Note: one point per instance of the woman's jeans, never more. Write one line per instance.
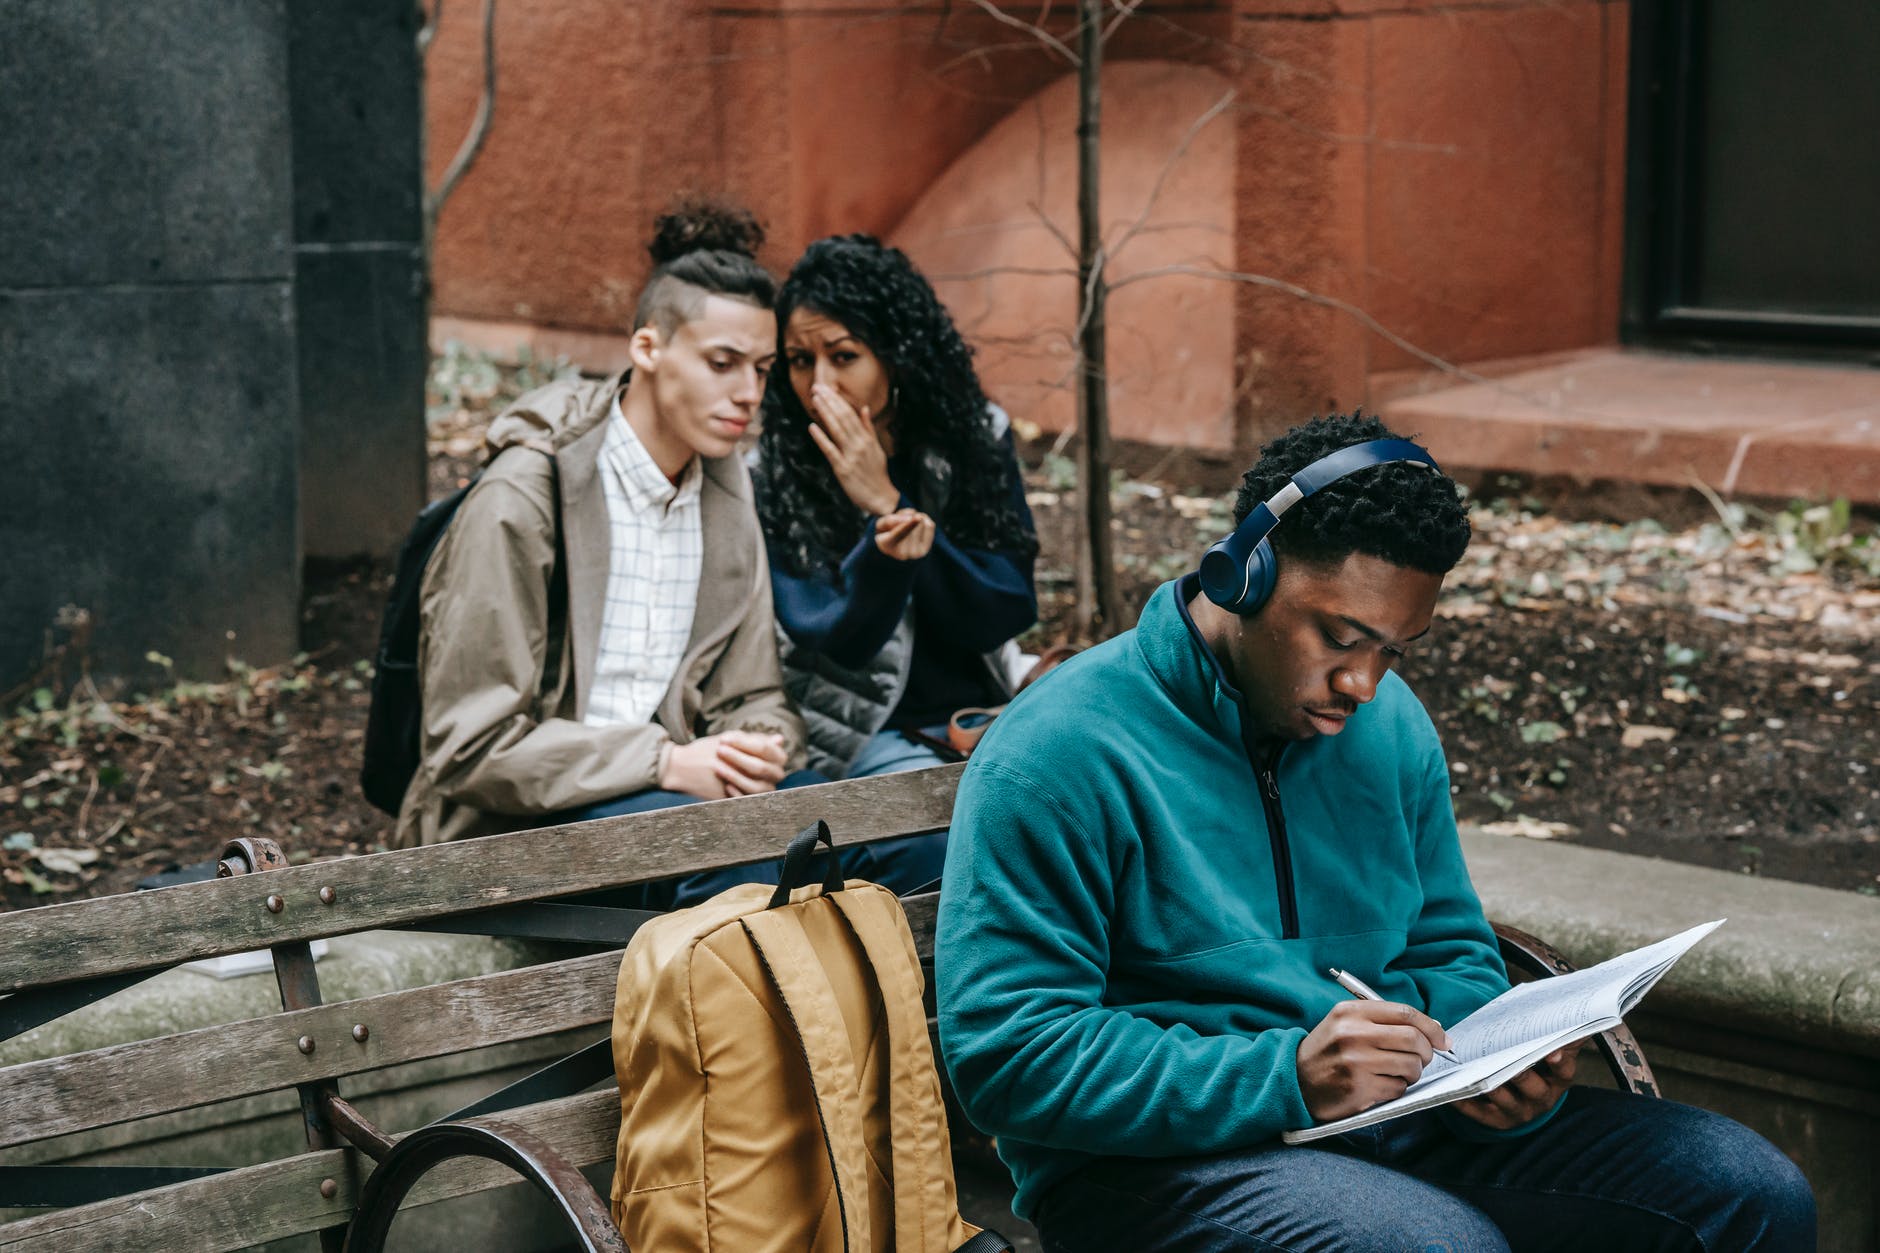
(1610, 1172)
(890, 752)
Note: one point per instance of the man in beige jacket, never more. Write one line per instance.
(642, 673)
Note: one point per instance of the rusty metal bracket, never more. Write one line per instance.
(1538, 959)
(357, 1128)
(581, 1208)
(249, 856)
(300, 989)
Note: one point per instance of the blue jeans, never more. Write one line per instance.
(1609, 1172)
(898, 865)
(888, 752)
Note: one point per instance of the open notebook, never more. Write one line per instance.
(1523, 1025)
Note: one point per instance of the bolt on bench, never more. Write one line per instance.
(350, 1182)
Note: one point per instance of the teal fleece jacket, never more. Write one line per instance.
(1134, 932)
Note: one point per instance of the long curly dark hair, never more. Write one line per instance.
(877, 294)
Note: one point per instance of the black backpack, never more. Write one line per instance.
(395, 722)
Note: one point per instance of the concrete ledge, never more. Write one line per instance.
(1774, 1019)
(1795, 962)
(268, 1126)
(355, 966)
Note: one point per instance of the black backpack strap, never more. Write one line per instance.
(557, 583)
(986, 1242)
(394, 719)
(799, 871)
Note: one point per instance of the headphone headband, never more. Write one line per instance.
(1238, 572)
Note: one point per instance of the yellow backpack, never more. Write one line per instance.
(777, 1087)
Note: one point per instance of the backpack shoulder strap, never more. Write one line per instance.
(926, 1206)
(803, 986)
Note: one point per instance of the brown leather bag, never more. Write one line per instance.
(777, 1087)
(967, 725)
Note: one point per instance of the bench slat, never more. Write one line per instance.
(79, 1091)
(280, 1199)
(921, 913)
(139, 931)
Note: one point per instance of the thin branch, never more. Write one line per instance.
(1168, 167)
(1716, 502)
(84, 809)
(981, 54)
(1368, 322)
(1310, 297)
(101, 709)
(1125, 9)
(1056, 232)
(1039, 33)
(479, 129)
(992, 270)
(987, 228)
(428, 31)
(1099, 262)
(1036, 204)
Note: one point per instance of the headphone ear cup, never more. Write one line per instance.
(1261, 573)
(1236, 585)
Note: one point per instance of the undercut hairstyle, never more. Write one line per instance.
(875, 292)
(700, 249)
(1404, 512)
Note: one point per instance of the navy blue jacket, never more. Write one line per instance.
(967, 603)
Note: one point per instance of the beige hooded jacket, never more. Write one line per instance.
(503, 742)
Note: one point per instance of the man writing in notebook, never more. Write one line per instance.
(1158, 853)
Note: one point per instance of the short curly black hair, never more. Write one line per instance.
(1402, 513)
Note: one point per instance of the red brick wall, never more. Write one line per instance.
(1453, 171)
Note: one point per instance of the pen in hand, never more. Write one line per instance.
(1360, 989)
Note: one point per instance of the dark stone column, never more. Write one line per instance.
(148, 375)
(359, 272)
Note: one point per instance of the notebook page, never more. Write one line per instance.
(1547, 1007)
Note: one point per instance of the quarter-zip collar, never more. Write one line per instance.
(1228, 706)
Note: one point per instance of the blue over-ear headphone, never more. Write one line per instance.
(1237, 574)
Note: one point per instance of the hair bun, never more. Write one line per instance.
(702, 226)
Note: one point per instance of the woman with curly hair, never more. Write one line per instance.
(900, 544)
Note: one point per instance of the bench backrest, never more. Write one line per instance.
(57, 957)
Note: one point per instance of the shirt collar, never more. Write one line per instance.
(639, 477)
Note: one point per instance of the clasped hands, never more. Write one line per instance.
(847, 438)
(1365, 1052)
(731, 763)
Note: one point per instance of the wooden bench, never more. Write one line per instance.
(353, 1176)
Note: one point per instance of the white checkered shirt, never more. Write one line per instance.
(652, 578)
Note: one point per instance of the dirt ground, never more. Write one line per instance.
(1637, 670)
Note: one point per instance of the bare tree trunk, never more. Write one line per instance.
(479, 128)
(1093, 395)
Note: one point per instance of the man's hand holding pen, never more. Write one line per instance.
(1364, 1052)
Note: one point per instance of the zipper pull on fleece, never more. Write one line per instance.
(1269, 784)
